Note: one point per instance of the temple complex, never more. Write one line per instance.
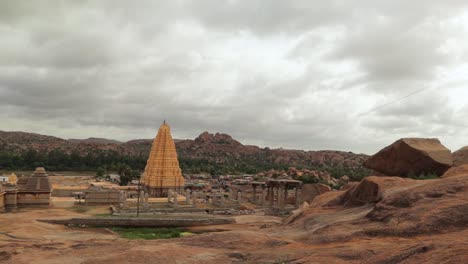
(162, 171)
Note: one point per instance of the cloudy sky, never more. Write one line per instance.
(304, 74)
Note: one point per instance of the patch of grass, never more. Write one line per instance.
(149, 233)
(424, 176)
(103, 215)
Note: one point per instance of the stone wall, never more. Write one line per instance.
(66, 192)
(102, 197)
(27, 199)
(10, 199)
(2, 201)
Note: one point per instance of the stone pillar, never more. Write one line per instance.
(194, 200)
(254, 197)
(175, 199)
(298, 195)
(169, 196)
(142, 198)
(285, 198)
(271, 198)
(279, 196)
(221, 199)
(187, 196)
(262, 197)
(146, 202)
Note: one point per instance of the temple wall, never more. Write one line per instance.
(26, 199)
(2, 202)
(102, 197)
(10, 199)
(64, 192)
(163, 192)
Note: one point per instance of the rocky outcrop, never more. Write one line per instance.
(311, 190)
(306, 176)
(426, 207)
(460, 157)
(370, 190)
(411, 156)
(454, 171)
(394, 208)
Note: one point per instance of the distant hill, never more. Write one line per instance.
(215, 153)
(95, 140)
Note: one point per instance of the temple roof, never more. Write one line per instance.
(162, 168)
(38, 182)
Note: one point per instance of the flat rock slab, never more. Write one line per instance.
(143, 222)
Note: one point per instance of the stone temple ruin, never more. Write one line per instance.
(273, 197)
(29, 192)
(163, 179)
(162, 171)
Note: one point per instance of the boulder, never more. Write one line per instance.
(370, 190)
(455, 171)
(311, 190)
(411, 156)
(460, 157)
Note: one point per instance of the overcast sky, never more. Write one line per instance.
(295, 74)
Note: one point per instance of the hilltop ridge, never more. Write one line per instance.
(210, 152)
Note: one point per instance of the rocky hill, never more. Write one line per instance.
(216, 153)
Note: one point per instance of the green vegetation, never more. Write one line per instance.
(58, 160)
(130, 166)
(424, 176)
(100, 173)
(108, 215)
(149, 233)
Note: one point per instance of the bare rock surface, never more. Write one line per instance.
(454, 171)
(311, 190)
(411, 156)
(460, 157)
(379, 220)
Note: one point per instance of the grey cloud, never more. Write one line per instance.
(275, 73)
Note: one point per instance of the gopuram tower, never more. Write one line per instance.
(162, 171)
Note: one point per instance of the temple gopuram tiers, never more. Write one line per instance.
(162, 171)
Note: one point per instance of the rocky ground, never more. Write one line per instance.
(380, 220)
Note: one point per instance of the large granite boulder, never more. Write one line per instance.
(460, 157)
(370, 190)
(310, 190)
(456, 171)
(411, 156)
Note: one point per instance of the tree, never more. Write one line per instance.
(100, 173)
